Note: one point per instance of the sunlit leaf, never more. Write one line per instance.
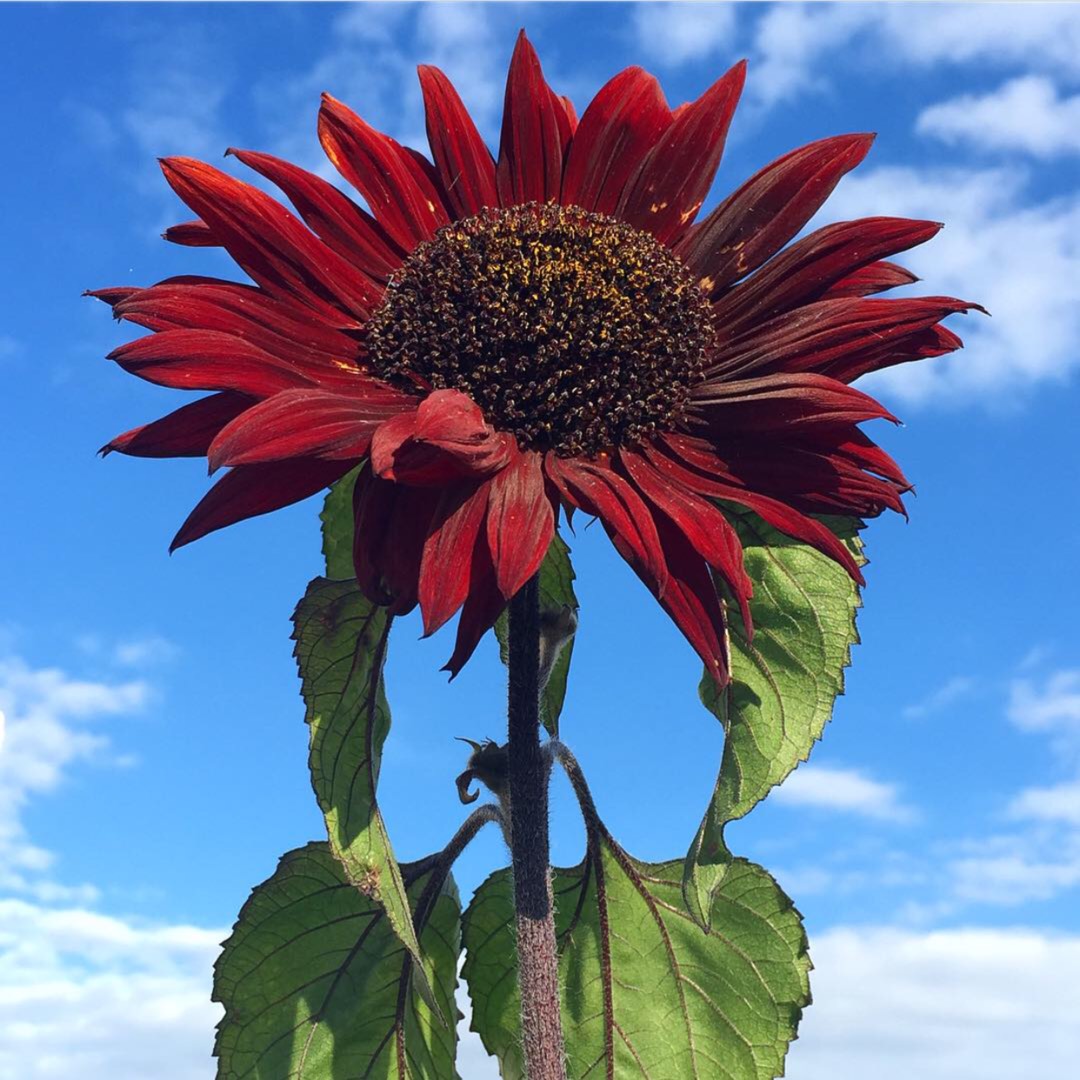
(317, 985)
(783, 684)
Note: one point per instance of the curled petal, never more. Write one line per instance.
(395, 184)
(331, 215)
(706, 529)
(878, 277)
(305, 423)
(598, 490)
(520, 522)
(484, 604)
(185, 432)
(535, 128)
(447, 561)
(619, 128)
(756, 221)
(671, 184)
(271, 245)
(833, 334)
(251, 490)
(803, 272)
(207, 360)
(466, 167)
(444, 440)
(191, 234)
(782, 404)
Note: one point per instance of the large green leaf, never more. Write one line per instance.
(317, 985)
(337, 527)
(783, 683)
(646, 992)
(556, 592)
(341, 640)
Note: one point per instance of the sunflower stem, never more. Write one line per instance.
(530, 771)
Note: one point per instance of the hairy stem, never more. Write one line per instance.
(530, 768)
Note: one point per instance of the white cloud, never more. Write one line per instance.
(676, 32)
(1025, 114)
(846, 790)
(47, 729)
(141, 652)
(1059, 802)
(955, 689)
(969, 1004)
(1020, 261)
(96, 997)
(797, 45)
(1052, 708)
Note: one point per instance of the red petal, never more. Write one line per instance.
(112, 295)
(331, 215)
(756, 221)
(304, 423)
(446, 565)
(782, 405)
(191, 234)
(444, 440)
(484, 604)
(397, 188)
(392, 523)
(287, 331)
(533, 130)
(465, 164)
(620, 126)
(802, 273)
(921, 345)
(876, 278)
(257, 489)
(705, 527)
(206, 360)
(520, 522)
(693, 463)
(571, 114)
(185, 432)
(597, 490)
(673, 180)
(834, 334)
(271, 245)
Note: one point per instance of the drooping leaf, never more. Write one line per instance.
(317, 985)
(556, 592)
(341, 641)
(646, 992)
(783, 683)
(337, 527)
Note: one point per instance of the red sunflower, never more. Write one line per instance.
(499, 340)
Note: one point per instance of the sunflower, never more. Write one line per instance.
(501, 341)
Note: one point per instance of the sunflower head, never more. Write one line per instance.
(501, 340)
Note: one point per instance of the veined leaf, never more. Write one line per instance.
(341, 640)
(783, 683)
(556, 592)
(317, 985)
(645, 992)
(337, 527)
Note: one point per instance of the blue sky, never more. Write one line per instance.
(154, 761)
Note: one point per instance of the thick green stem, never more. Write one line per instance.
(530, 771)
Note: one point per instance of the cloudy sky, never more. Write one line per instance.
(153, 766)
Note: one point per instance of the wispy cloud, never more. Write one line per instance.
(843, 790)
(1025, 114)
(1051, 707)
(955, 689)
(674, 32)
(1018, 258)
(893, 1003)
(48, 727)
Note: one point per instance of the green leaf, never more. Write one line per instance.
(317, 985)
(556, 592)
(337, 527)
(341, 641)
(646, 992)
(783, 684)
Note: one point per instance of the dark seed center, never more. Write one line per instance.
(573, 331)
